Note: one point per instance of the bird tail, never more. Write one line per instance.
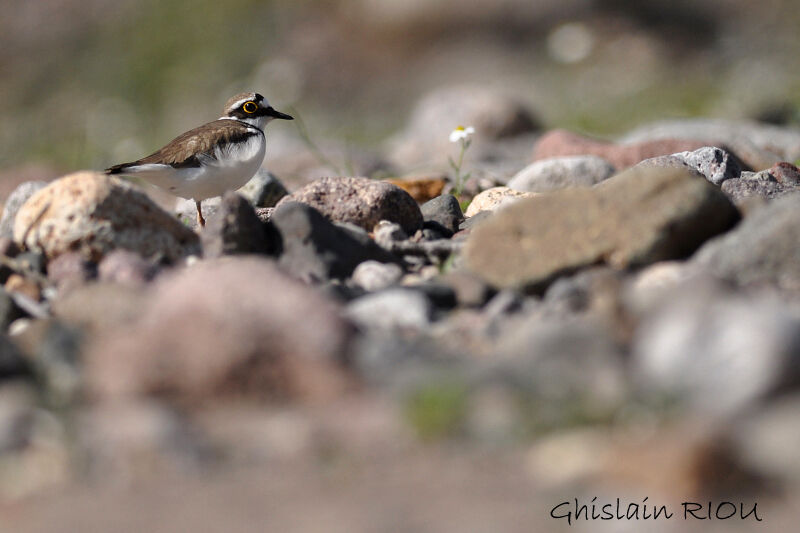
(118, 169)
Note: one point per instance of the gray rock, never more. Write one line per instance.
(375, 276)
(595, 290)
(391, 309)
(716, 350)
(9, 310)
(562, 172)
(93, 214)
(474, 220)
(57, 363)
(17, 408)
(469, 289)
(651, 286)
(572, 366)
(387, 233)
(263, 189)
(14, 201)
(235, 326)
(12, 364)
(765, 440)
(714, 164)
(780, 180)
(314, 249)
(360, 201)
(494, 115)
(445, 211)
(639, 217)
(763, 249)
(235, 229)
(753, 185)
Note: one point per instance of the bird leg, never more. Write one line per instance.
(200, 219)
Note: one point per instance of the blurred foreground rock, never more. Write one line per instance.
(236, 327)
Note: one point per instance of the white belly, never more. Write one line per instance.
(228, 171)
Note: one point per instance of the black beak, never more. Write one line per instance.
(271, 112)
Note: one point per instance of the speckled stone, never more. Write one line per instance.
(92, 214)
(495, 198)
(360, 201)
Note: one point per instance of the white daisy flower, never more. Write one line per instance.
(461, 133)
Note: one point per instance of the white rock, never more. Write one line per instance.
(560, 172)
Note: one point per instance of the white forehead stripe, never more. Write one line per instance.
(252, 97)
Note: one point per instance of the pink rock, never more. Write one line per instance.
(559, 143)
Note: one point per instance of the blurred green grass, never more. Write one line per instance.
(115, 81)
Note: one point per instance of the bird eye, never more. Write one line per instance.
(249, 107)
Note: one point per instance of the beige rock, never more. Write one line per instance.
(494, 199)
(92, 213)
(636, 218)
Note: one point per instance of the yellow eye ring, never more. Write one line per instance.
(249, 107)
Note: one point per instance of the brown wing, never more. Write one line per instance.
(183, 150)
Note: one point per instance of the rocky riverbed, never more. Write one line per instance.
(586, 318)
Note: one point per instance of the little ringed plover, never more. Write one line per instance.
(213, 158)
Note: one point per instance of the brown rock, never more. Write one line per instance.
(69, 270)
(786, 174)
(559, 143)
(226, 327)
(92, 214)
(421, 188)
(126, 267)
(360, 201)
(636, 218)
